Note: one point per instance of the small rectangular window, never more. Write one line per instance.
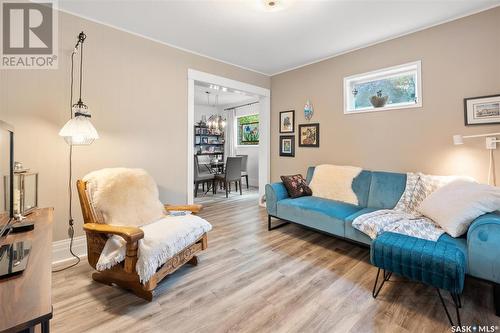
(248, 130)
(390, 88)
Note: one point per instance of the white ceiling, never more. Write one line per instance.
(225, 96)
(241, 32)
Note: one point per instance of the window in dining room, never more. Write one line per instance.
(247, 130)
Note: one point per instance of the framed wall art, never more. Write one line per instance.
(309, 135)
(484, 110)
(287, 121)
(287, 145)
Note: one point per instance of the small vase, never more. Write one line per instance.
(378, 101)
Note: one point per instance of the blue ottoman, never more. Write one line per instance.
(437, 264)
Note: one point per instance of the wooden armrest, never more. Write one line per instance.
(192, 208)
(130, 234)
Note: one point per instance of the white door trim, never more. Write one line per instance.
(264, 124)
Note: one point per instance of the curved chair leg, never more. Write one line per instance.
(386, 277)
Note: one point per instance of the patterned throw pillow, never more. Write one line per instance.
(296, 186)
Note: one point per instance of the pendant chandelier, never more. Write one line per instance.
(79, 130)
(216, 122)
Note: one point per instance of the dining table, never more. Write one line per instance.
(215, 167)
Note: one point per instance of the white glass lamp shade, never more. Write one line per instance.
(458, 139)
(79, 131)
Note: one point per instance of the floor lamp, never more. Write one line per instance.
(78, 131)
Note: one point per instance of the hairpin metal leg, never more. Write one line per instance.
(458, 304)
(386, 277)
(459, 300)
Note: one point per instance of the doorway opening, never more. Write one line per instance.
(228, 138)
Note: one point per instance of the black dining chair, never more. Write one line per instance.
(244, 167)
(232, 173)
(203, 178)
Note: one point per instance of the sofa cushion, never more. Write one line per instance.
(455, 205)
(360, 185)
(332, 208)
(318, 213)
(296, 186)
(386, 189)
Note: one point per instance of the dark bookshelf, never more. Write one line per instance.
(202, 148)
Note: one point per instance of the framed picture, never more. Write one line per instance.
(484, 110)
(309, 135)
(287, 145)
(287, 121)
(250, 134)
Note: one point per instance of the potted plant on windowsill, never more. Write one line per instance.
(378, 101)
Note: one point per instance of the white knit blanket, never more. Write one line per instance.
(162, 240)
(404, 218)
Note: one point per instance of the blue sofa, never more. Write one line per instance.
(382, 190)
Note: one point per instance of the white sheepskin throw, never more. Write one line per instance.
(335, 182)
(125, 197)
(162, 240)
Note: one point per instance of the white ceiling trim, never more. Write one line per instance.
(386, 39)
(291, 68)
(159, 41)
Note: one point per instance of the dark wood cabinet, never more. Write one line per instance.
(26, 299)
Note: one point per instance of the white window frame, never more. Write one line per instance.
(387, 72)
(236, 131)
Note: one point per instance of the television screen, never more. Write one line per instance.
(6, 173)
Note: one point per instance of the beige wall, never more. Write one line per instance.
(137, 92)
(459, 59)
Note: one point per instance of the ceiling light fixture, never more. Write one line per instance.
(272, 5)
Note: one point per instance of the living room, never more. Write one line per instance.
(372, 203)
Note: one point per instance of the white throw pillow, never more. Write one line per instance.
(455, 205)
(126, 197)
(335, 182)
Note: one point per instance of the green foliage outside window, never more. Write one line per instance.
(248, 130)
(400, 89)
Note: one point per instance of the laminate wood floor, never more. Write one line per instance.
(251, 280)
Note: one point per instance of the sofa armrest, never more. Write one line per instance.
(195, 209)
(483, 239)
(129, 234)
(274, 193)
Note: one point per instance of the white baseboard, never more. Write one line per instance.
(60, 250)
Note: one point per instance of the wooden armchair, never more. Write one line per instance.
(124, 273)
